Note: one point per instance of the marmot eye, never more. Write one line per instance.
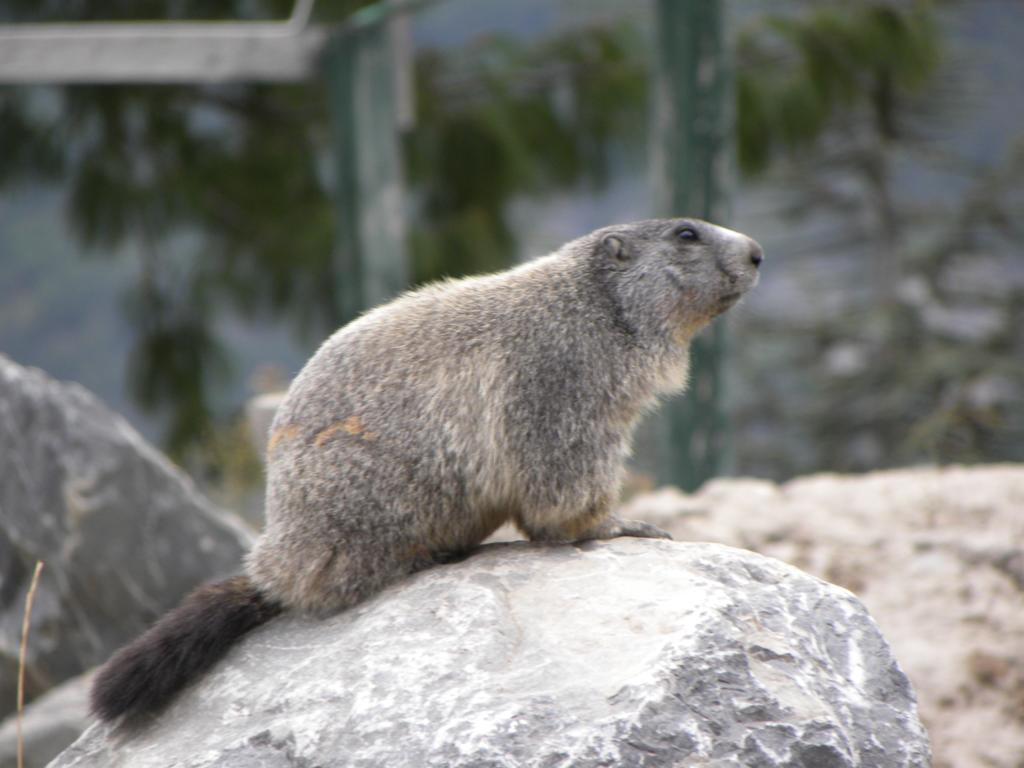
(687, 233)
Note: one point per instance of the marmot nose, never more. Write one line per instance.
(756, 254)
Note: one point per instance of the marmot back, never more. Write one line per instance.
(419, 428)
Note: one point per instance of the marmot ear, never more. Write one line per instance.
(615, 248)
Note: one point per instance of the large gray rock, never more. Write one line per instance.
(624, 653)
(123, 533)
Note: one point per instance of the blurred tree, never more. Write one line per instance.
(797, 73)
(943, 372)
(234, 174)
(219, 187)
(832, 100)
(222, 187)
(845, 72)
(503, 119)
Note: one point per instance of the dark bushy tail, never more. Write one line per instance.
(143, 676)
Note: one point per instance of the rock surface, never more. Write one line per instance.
(627, 653)
(51, 723)
(937, 556)
(123, 533)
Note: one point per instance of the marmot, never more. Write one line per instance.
(420, 427)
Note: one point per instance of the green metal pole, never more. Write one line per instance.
(690, 153)
(371, 262)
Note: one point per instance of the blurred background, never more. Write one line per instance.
(179, 237)
(195, 193)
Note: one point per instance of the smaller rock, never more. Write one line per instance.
(123, 532)
(51, 722)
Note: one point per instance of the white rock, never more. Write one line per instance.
(626, 653)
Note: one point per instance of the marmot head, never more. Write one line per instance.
(675, 275)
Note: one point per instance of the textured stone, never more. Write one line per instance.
(623, 653)
(123, 533)
(937, 556)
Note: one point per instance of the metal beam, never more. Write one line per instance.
(179, 52)
(160, 52)
(690, 435)
(366, 87)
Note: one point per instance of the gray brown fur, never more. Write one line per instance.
(418, 429)
(144, 675)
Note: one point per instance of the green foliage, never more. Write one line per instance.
(832, 102)
(503, 120)
(38, 155)
(219, 186)
(228, 466)
(222, 189)
(795, 73)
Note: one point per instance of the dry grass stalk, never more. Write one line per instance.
(21, 658)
